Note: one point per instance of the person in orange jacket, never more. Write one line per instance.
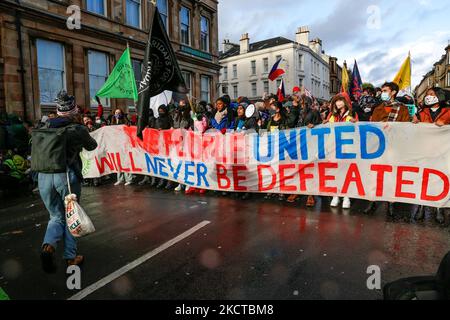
(435, 111)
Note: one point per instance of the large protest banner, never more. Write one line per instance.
(396, 162)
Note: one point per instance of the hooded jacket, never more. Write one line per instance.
(164, 122)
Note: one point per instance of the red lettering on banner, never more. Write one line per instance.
(222, 175)
(112, 158)
(101, 165)
(284, 187)
(194, 141)
(380, 170)
(237, 147)
(133, 167)
(237, 178)
(323, 177)
(207, 146)
(353, 176)
(425, 182)
(261, 178)
(220, 148)
(153, 141)
(401, 182)
(305, 176)
(119, 164)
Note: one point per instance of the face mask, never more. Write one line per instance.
(98, 121)
(161, 114)
(385, 96)
(431, 100)
(118, 116)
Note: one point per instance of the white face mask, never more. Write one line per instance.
(431, 100)
(434, 109)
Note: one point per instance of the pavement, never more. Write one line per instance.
(253, 249)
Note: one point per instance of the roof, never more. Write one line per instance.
(260, 45)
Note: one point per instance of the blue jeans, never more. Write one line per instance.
(53, 189)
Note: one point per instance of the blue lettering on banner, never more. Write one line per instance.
(188, 173)
(320, 133)
(364, 130)
(270, 144)
(175, 171)
(162, 167)
(289, 146)
(342, 142)
(303, 144)
(151, 164)
(202, 171)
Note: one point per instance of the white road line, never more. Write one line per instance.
(117, 274)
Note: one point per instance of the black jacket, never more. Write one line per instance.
(78, 137)
(307, 117)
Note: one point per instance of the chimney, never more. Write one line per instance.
(245, 43)
(226, 45)
(316, 45)
(302, 36)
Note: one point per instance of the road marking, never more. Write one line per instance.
(117, 274)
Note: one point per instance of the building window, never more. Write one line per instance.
(266, 86)
(300, 82)
(98, 73)
(225, 73)
(137, 68)
(185, 25)
(253, 63)
(266, 65)
(96, 6)
(224, 89)
(188, 80)
(448, 79)
(205, 89)
(51, 70)
(204, 34)
(163, 12)
(133, 9)
(254, 89)
(235, 91)
(235, 75)
(300, 62)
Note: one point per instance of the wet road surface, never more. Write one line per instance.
(253, 249)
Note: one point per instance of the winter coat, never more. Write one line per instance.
(381, 113)
(226, 123)
(444, 116)
(335, 118)
(308, 116)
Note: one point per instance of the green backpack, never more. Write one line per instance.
(49, 150)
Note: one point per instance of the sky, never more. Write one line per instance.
(377, 33)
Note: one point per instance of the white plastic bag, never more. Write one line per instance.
(77, 220)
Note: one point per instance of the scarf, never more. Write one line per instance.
(393, 115)
(220, 115)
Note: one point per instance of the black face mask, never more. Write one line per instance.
(162, 114)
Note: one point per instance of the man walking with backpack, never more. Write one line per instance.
(56, 157)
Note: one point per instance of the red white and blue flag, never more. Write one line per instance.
(281, 92)
(276, 71)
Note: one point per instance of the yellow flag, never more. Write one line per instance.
(345, 79)
(403, 77)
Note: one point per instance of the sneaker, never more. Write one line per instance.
(118, 183)
(48, 258)
(190, 190)
(335, 202)
(346, 203)
(178, 189)
(144, 181)
(128, 183)
(202, 191)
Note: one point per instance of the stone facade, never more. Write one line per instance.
(107, 33)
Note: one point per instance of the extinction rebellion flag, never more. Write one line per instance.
(160, 70)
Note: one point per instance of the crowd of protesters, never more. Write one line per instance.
(299, 109)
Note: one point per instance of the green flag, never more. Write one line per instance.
(121, 82)
(3, 295)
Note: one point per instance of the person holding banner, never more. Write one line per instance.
(278, 121)
(435, 111)
(390, 110)
(340, 112)
(308, 117)
(118, 119)
(223, 118)
(163, 122)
